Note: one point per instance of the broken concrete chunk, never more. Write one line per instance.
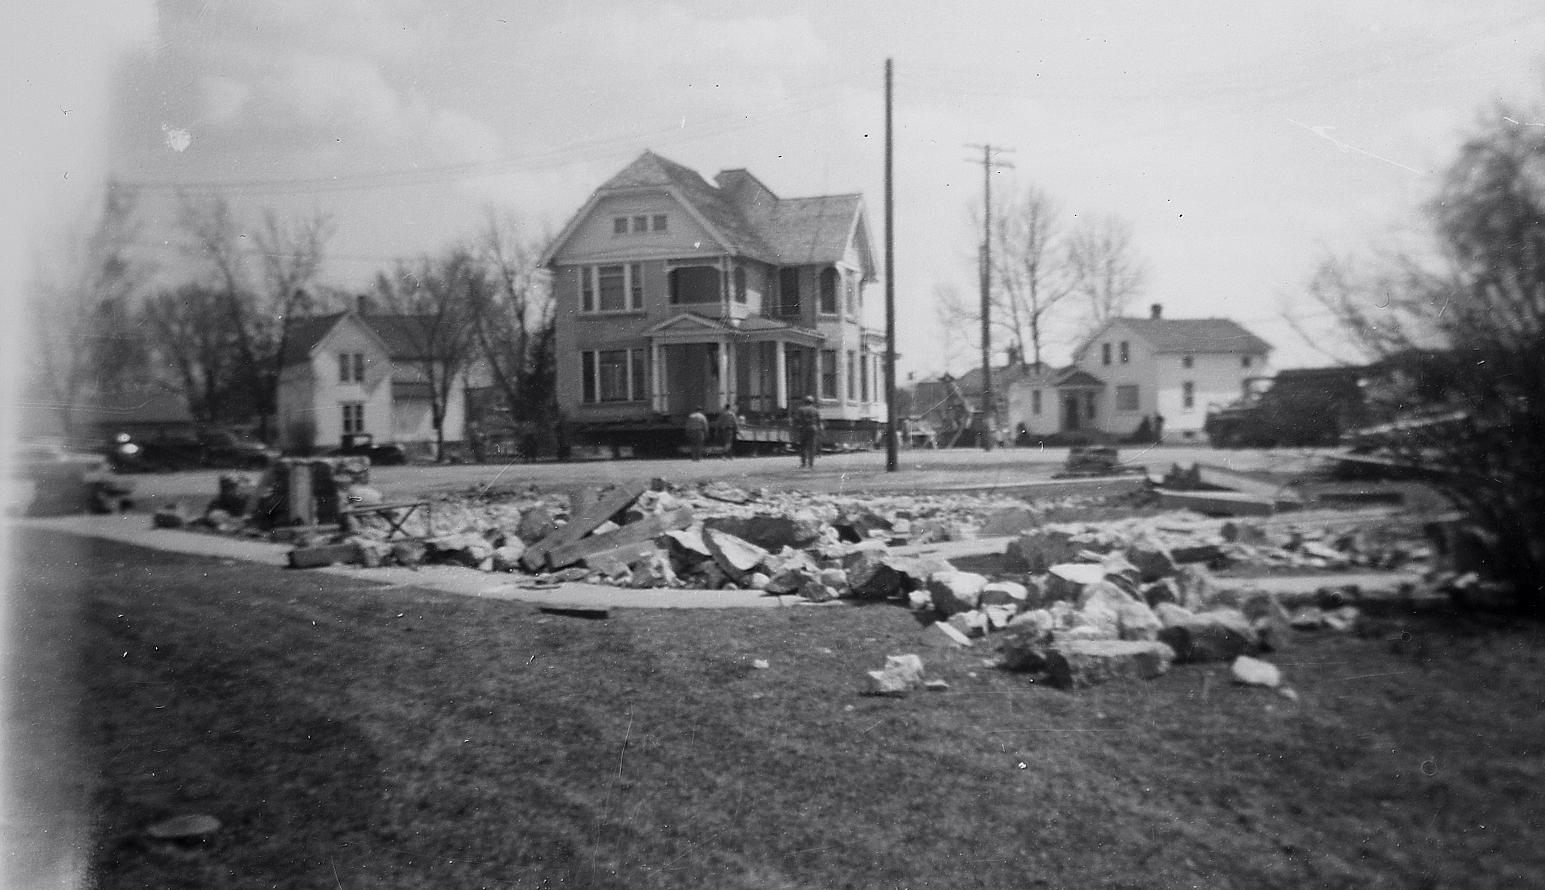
(1171, 614)
(409, 553)
(920, 601)
(998, 617)
(1082, 663)
(1342, 619)
(770, 532)
(1308, 618)
(1152, 559)
(886, 683)
(956, 591)
(1008, 521)
(1249, 671)
(323, 555)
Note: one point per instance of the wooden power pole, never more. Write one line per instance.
(891, 458)
(989, 399)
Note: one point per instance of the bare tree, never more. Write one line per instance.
(191, 329)
(1459, 338)
(83, 336)
(1031, 268)
(513, 324)
(263, 279)
(434, 302)
(1106, 269)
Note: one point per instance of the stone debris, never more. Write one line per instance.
(1081, 663)
(901, 674)
(1249, 671)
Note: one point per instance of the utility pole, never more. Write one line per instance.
(891, 458)
(989, 400)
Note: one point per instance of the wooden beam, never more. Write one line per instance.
(1216, 503)
(610, 504)
(646, 529)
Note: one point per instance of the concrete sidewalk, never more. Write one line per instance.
(135, 529)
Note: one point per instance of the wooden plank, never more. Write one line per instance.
(1244, 482)
(581, 524)
(646, 529)
(1216, 503)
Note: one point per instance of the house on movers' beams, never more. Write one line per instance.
(674, 293)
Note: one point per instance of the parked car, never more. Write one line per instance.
(213, 448)
(363, 445)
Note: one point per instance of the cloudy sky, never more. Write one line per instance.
(1242, 141)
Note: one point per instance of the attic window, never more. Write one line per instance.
(657, 222)
(640, 225)
(1126, 352)
(619, 225)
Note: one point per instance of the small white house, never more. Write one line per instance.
(1133, 369)
(351, 373)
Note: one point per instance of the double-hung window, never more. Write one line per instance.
(1126, 397)
(351, 367)
(1188, 395)
(829, 291)
(353, 417)
(614, 375)
(828, 373)
(611, 288)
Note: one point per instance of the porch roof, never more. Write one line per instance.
(689, 327)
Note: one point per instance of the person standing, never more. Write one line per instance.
(727, 425)
(807, 431)
(697, 432)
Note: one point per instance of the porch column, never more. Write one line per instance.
(724, 373)
(657, 376)
(732, 381)
(781, 374)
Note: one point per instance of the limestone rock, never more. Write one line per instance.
(1308, 618)
(507, 558)
(1170, 614)
(1023, 650)
(998, 617)
(972, 623)
(536, 524)
(1067, 580)
(1218, 635)
(737, 557)
(1037, 550)
(1008, 521)
(769, 532)
(956, 591)
(920, 601)
(871, 576)
(1082, 663)
(409, 553)
(1004, 593)
(1249, 671)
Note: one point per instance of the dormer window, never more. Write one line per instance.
(641, 224)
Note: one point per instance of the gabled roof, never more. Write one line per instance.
(402, 335)
(745, 216)
(1191, 334)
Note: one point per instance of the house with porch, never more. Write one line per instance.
(1133, 370)
(355, 372)
(675, 293)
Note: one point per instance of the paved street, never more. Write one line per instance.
(854, 472)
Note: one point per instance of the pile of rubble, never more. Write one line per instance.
(1090, 609)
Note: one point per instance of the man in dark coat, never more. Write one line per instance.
(727, 425)
(807, 431)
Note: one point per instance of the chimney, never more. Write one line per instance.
(1156, 311)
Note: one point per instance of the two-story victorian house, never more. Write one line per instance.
(675, 294)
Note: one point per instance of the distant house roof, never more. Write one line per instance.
(747, 216)
(404, 335)
(1192, 334)
(970, 382)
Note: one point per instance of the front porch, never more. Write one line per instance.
(758, 366)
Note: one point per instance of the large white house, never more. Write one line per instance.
(352, 373)
(1133, 369)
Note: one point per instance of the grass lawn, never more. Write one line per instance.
(349, 735)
